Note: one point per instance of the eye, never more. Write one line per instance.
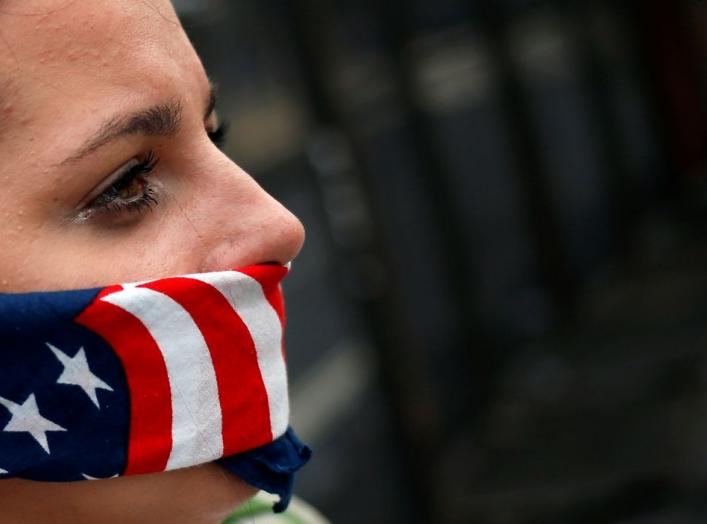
(126, 192)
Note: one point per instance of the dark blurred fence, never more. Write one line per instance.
(500, 315)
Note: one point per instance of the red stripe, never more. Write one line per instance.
(242, 394)
(150, 398)
(270, 277)
(109, 291)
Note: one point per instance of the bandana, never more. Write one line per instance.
(149, 377)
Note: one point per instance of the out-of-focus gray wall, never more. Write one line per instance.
(500, 312)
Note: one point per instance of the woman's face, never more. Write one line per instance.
(90, 92)
(109, 174)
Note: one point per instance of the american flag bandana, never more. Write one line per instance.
(149, 377)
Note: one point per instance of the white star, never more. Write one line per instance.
(77, 373)
(26, 418)
(3, 471)
(89, 477)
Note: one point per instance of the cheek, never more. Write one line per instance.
(27, 261)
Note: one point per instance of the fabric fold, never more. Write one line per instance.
(271, 467)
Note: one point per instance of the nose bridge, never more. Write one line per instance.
(249, 226)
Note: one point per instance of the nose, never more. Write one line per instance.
(280, 234)
(252, 229)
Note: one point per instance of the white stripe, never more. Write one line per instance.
(247, 298)
(196, 412)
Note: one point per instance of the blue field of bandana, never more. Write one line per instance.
(64, 404)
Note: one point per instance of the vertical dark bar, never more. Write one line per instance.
(379, 306)
(552, 253)
(595, 84)
(479, 355)
(669, 63)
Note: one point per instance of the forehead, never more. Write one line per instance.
(61, 55)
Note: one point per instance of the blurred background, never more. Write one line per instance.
(500, 313)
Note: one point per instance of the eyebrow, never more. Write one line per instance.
(159, 120)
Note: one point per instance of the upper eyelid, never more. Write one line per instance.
(109, 181)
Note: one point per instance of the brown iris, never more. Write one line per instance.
(133, 189)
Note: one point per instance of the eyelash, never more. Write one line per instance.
(218, 136)
(106, 203)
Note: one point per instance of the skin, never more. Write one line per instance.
(66, 68)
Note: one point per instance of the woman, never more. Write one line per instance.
(110, 174)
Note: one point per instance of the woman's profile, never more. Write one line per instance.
(111, 173)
